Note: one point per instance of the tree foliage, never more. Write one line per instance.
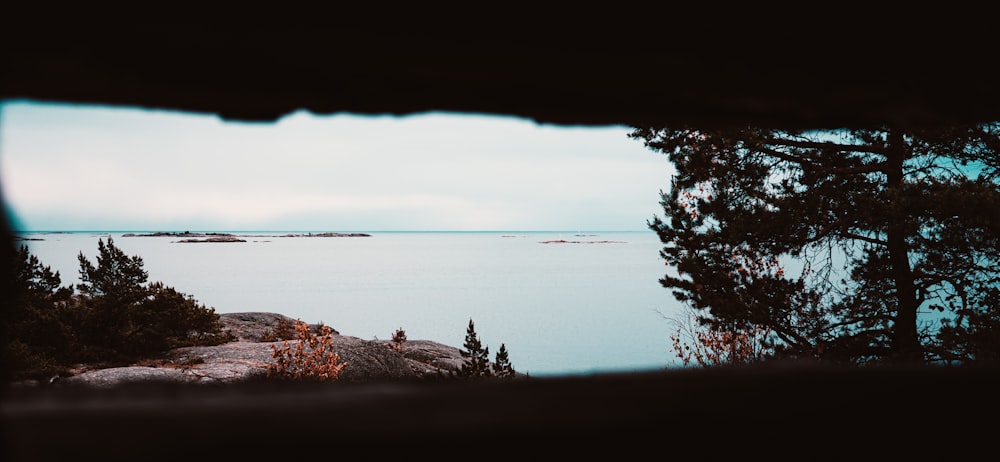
(854, 246)
(476, 359)
(118, 278)
(35, 332)
(116, 317)
(110, 295)
(503, 368)
(122, 317)
(476, 362)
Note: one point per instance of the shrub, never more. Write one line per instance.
(398, 339)
(698, 342)
(168, 319)
(312, 358)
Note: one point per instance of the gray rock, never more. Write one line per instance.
(253, 326)
(114, 376)
(247, 358)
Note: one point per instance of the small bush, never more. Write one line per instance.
(398, 339)
(312, 358)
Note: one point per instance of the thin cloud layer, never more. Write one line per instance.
(99, 168)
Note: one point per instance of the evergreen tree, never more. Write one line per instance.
(476, 364)
(117, 316)
(117, 277)
(120, 316)
(36, 338)
(110, 292)
(502, 367)
(857, 246)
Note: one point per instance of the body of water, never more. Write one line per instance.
(592, 304)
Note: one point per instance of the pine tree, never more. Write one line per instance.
(110, 291)
(120, 316)
(117, 277)
(855, 246)
(35, 337)
(502, 367)
(476, 364)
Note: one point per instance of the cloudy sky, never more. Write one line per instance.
(123, 169)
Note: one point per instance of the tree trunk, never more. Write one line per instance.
(906, 345)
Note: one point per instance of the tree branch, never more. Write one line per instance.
(825, 145)
(808, 164)
(870, 240)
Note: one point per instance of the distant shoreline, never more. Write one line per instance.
(563, 241)
(294, 232)
(240, 236)
(229, 236)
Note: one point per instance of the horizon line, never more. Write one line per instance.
(233, 231)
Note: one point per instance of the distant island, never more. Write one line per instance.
(189, 237)
(213, 239)
(327, 235)
(563, 241)
(176, 234)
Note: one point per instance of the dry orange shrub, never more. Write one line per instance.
(714, 348)
(398, 339)
(311, 358)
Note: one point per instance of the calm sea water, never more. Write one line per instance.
(559, 308)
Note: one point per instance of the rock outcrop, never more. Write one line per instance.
(247, 358)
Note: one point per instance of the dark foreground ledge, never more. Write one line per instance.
(777, 412)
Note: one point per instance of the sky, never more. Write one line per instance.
(101, 168)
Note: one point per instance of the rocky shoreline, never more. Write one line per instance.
(247, 358)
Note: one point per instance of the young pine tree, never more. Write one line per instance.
(477, 363)
(502, 367)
